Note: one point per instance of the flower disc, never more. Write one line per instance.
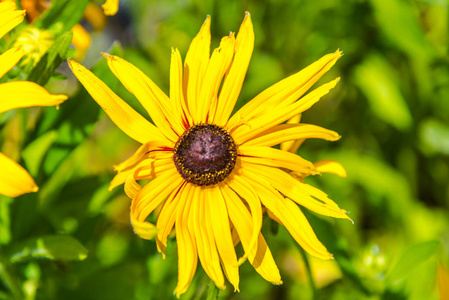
(205, 154)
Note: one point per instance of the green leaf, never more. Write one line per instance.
(35, 152)
(47, 65)
(5, 220)
(57, 247)
(377, 81)
(411, 259)
(401, 26)
(62, 15)
(434, 136)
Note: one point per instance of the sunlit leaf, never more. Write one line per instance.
(35, 152)
(374, 77)
(57, 247)
(400, 24)
(434, 136)
(411, 259)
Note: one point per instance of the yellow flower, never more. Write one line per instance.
(212, 175)
(15, 180)
(82, 40)
(110, 7)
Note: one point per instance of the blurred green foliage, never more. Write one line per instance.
(73, 240)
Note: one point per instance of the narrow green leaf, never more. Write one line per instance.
(62, 15)
(376, 79)
(5, 220)
(57, 247)
(35, 152)
(212, 293)
(46, 66)
(411, 259)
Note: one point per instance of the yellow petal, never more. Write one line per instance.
(25, 94)
(195, 66)
(218, 65)
(304, 194)
(205, 239)
(132, 188)
(9, 17)
(153, 168)
(150, 167)
(330, 166)
(218, 214)
(119, 179)
(152, 98)
(259, 256)
(9, 59)
(142, 153)
(143, 229)
(176, 90)
(287, 132)
(290, 216)
(167, 217)
(14, 180)
(242, 189)
(110, 7)
(187, 247)
(285, 91)
(279, 114)
(233, 82)
(154, 193)
(123, 115)
(293, 146)
(276, 158)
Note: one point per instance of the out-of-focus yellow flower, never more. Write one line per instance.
(15, 180)
(82, 40)
(210, 174)
(110, 7)
(34, 42)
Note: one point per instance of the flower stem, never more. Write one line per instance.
(309, 273)
(9, 281)
(212, 293)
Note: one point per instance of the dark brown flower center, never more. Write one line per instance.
(205, 154)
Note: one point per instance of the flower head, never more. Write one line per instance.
(15, 180)
(212, 175)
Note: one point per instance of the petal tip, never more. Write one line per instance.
(34, 189)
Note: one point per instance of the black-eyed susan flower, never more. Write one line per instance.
(211, 175)
(15, 180)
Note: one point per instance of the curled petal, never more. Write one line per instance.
(330, 166)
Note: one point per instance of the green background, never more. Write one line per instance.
(73, 240)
